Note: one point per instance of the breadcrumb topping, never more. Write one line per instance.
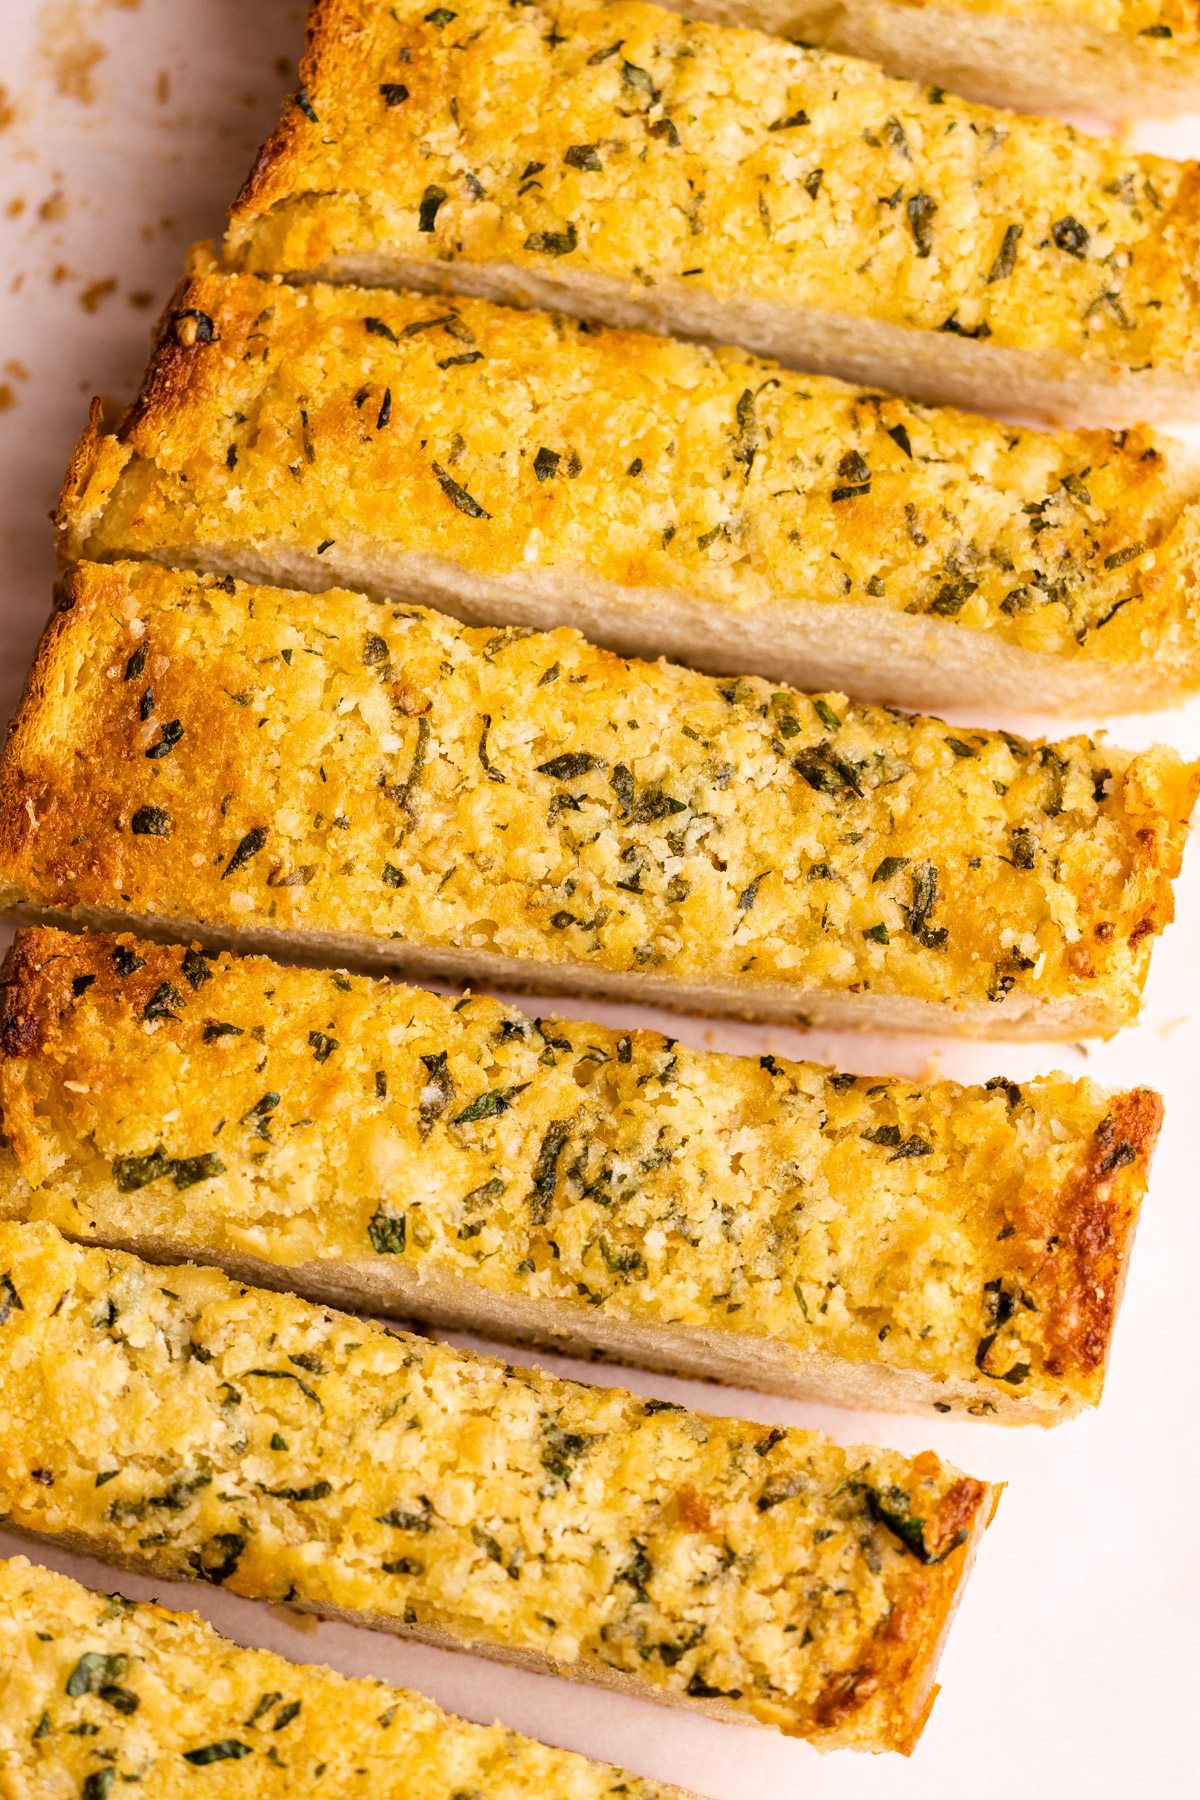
(100, 1689)
(197, 748)
(940, 1230)
(195, 1427)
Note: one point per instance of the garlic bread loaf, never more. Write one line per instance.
(345, 781)
(618, 162)
(100, 1690)
(170, 1420)
(780, 1225)
(663, 497)
(1119, 58)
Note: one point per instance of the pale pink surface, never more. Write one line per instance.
(1072, 1668)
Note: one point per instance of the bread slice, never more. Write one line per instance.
(620, 163)
(860, 1241)
(1137, 57)
(662, 496)
(350, 782)
(172, 1421)
(98, 1690)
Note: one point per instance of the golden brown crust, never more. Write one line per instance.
(617, 471)
(873, 1231)
(795, 854)
(284, 1450)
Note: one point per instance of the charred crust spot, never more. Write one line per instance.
(899, 1660)
(1096, 1215)
(694, 1511)
(955, 1515)
(845, 1695)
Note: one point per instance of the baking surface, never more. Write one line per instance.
(125, 127)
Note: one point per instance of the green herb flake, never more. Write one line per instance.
(891, 865)
(388, 1233)
(570, 765)
(1024, 847)
(459, 495)
(93, 1671)
(317, 1490)
(553, 243)
(431, 200)
(490, 1105)
(1006, 256)
(920, 209)
(188, 1171)
(10, 1300)
(151, 821)
(1071, 236)
(437, 1091)
(925, 888)
(225, 1750)
(493, 773)
(825, 771)
(247, 848)
(1119, 558)
(541, 1192)
(951, 597)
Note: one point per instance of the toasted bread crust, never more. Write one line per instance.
(421, 788)
(922, 1213)
(193, 1690)
(597, 184)
(509, 464)
(538, 1517)
(1095, 1223)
